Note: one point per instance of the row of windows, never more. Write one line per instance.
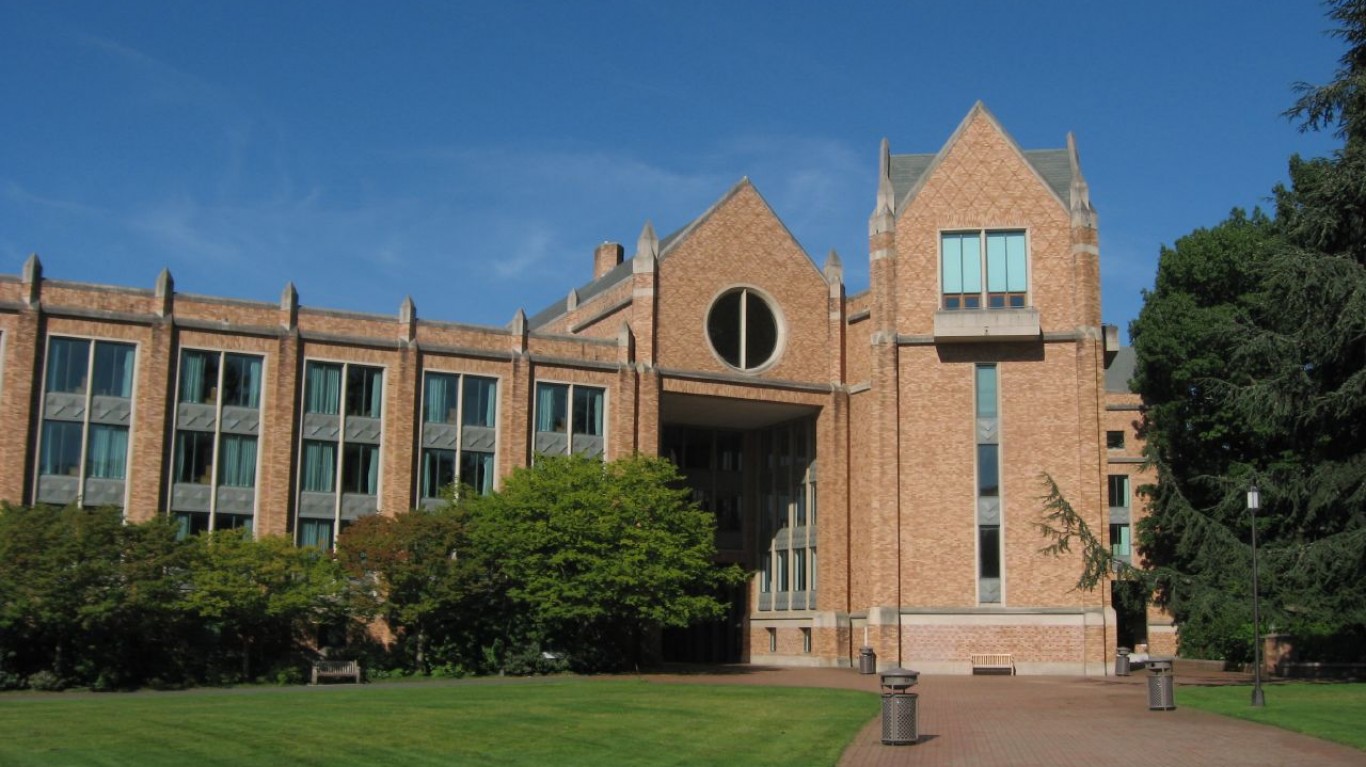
(205, 452)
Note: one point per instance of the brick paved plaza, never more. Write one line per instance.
(999, 721)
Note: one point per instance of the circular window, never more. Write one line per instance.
(743, 329)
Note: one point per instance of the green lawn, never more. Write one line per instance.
(1329, 711)
(561, 721)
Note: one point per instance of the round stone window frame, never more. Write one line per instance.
(779, 323)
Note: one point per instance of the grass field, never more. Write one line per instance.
(1334, 712)
(561, 721)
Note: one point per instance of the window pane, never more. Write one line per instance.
(951, 263)
(113, 369)
(360, 470)
(61, 449)
(552, 407)
(242, 381)
(316, 533)
(438, 472)
(988, 471)
(986, 391)
(199, 377)
(1119, 491)
(723, 327)
(237, 461)
(476, 470)
(989, 551)
(761, 331)
(441, 399)
(108, 456)
(190, 523)
(320, 467)
(1114, 440)
(1120, 543)
(972, 263)
(67, 361)
(363, 389)
(480, 395)
(193, 457)
(232, 522)
(996, 262)
(588, 411)
(1017, 276)
(322, 388)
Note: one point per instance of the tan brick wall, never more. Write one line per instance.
(742, 243)
(984, 183)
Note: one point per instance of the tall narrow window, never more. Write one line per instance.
(83, 452)
(339, 462)
(457, 436)
(986, 412)
(989, 551)
(988, 471)
(986, 391)
(213, 482)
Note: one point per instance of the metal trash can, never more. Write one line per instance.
(899, 707)
(867, 660)
(1161, 686)
(1122, 661)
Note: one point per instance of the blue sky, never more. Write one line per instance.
(472, 155)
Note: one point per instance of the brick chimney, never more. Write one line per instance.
(605, 258)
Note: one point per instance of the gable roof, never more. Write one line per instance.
(625, 269)
(908, 171)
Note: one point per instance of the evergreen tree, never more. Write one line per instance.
(1252, 365)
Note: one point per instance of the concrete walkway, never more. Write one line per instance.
(1020, 721)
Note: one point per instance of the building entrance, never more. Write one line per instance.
(760, 483)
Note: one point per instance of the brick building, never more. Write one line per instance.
(874, 460)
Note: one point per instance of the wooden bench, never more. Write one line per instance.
(993, 663)
(336, 669)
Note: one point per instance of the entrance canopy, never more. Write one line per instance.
(725, 412)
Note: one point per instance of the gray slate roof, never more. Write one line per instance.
(616, 274)
(1121, 370)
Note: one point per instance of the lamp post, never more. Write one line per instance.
(1254, 501)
